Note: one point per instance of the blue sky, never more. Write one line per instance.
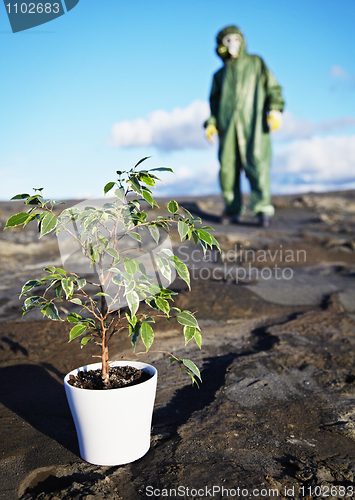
(111, 81)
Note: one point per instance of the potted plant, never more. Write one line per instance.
(113, 415)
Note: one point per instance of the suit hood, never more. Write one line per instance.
(221, 49)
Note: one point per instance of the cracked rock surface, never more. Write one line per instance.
(275, 411)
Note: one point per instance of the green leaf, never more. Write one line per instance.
(182, 271)
(141, 161)
(76, 332)
(167, 251)
(204, 236)
(161, 169)
(84, 341)
(189, 333)
(56, 276)
(148, 198)
(51, 311)
(30, 218)
(132, 320)
(103, 240)
(81, 282)
(76, 301)
(215, 242)
(58, 291)
(198, 338)
(20, 196)
(117, 279)
(154, 289)
(89, 322)
(133, 182)
(188, 213)
(68, 287)
(173, 207)
(17, 220)
(61, 271)
(129, 286)
(133, 301)
(128, 277)
(187, 319)
(204, 246)
(113, 253)
(142, 269)
(151, 303)
(120, 193)
(183, 229)
(94, 254)
(50, 269)
(163, 305)
(74, 318)
(29, 285)
(147, 179)
(134, 235)
(149, 319)
(51, 283)
(135, 332)
(154, 232)
(48, 223)
(147, 335)
(108, 187)
(192, 367)
(34, 200)
(31, 300)
(130, 265)
(164, 267)
(165, 293)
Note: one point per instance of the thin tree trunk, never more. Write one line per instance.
(104, 359)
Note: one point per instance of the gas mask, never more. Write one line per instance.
(232, 42)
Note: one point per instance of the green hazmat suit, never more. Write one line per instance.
(243, 91)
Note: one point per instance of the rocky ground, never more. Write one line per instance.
(275, 415)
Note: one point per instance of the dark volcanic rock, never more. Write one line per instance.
(276, 407)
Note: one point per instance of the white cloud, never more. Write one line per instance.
(294, 127)
(197, 181)
(315, 164)
(307, 155)
(180, 129)
(318, 163)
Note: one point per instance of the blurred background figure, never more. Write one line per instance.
(246, 103)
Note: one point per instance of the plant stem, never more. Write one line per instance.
(104, 358)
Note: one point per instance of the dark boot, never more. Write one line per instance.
(227, 219)
(234, 219)
(264, 219)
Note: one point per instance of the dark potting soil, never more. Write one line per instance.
(120, 376)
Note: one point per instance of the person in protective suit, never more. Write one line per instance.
(245, 103)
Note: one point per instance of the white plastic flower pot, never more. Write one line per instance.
(113, 426)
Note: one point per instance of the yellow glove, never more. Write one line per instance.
(274, 119)
(210, 131)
